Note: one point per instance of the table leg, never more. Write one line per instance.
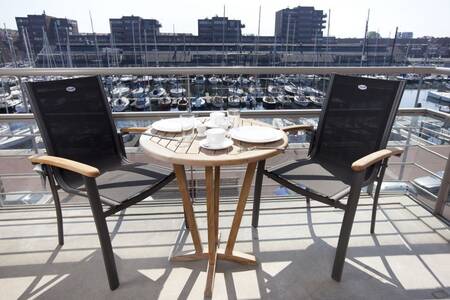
(212, 193)
(228, 254)
(216, 198)
(189, 211)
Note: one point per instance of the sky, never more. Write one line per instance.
(348, 17)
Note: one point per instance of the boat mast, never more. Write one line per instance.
(363, 54)
(69, 52)
(287, 39)
(11, 46)
(140, 43)
(134, 42)
(223, 37)
(59, 45)
(145, 47)
(156, 48)
(25, 41)
(328, 37)
(393, 47)
(95, 41)
(257, 38)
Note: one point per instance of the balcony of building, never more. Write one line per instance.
(407, 257)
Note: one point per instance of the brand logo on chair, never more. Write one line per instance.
(362, 87)
(71, 89)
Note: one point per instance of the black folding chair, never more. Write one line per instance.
(86, 155)
(347, 152)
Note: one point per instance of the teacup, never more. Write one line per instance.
(217, 118)
(215, 136)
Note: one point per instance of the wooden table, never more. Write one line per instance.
(182, 154)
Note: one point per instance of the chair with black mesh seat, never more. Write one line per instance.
(86, 155)
(347, 152)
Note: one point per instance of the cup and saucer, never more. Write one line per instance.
(216, 139)
(217, 119)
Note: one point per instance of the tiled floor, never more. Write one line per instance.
(408, 258)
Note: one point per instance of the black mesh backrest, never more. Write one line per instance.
(75, 122)
(356, 119)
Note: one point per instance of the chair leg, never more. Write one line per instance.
(375, 197)
(346, 228)
(59, 217)
(102, 231)
(308, 202)
(257, 193)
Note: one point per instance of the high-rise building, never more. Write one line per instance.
(405, 35)
(132, 29)
(32, 28)
(218, 29)
(299, 24)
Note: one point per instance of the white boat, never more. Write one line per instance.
(285, 101)
(126, 78)
(8, 105)
(290, 89)
(440, 96)
(198, 103)
(158, 92)
(142, 103)
(301, 100)
(20, 108)
(177, 92)
(234, 101)
(235, 91)
(120, 91)
(269, 102)
(316, 100)
(199, 79)
(137, 93)
(213, 80)
(120, 104)
(274, 90)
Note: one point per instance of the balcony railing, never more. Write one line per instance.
(422, 131)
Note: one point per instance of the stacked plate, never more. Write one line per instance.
(173, 125)
(256, 134)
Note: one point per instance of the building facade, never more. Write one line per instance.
(219, 29)
(299, 24)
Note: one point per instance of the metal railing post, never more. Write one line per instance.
(443, 190)
(416, 102)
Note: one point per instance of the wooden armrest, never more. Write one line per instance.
(305, 127)
(372, 158)
(133, 129)
(71, 165)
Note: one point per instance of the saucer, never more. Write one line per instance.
(226, 143)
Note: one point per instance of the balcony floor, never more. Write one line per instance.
(408, 258)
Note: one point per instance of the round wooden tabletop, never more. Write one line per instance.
(169, 147)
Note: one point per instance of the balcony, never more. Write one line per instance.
(407, 258)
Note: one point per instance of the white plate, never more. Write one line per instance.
(210, 124)
(256, 134)
(226, 143)
(170, 125)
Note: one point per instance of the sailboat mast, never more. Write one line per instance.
(145, 47)
(156, 47)
(223, 37)
(363, 54)
(134, 42)
(393, 47)
(59, 45)
(27, 49)
(257, 38)
(328, 35)
(95, 41)
(11, 46)
(69, 54)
